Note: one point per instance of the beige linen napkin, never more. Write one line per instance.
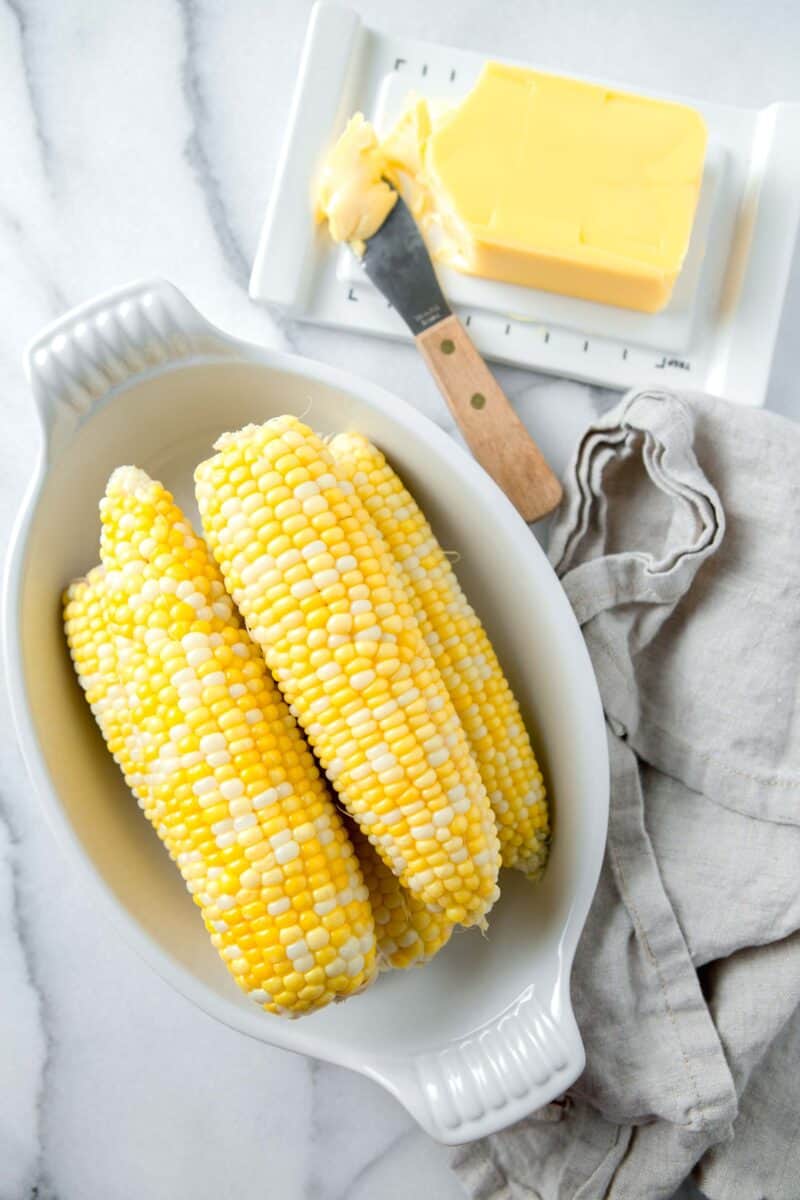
(677, 545)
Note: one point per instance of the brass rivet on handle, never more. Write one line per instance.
(477, 399)
(447, 346)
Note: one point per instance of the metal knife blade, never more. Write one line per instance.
(397, 261)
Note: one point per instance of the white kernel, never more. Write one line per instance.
(362, 680)
(303, 588)
(212, 742)
(245, 822)
(329, 670)
(360, 606)
(204, 786)
(444, 816)
(351, 947)
(384, 763)
(284, 790)
(220, 759)
(314, 548)
(347, 563)
(270, 796)
(278, 906)
(231, 789)
(324, 579)
(317, 938)
(280, 839)
(297, 949)
(194, 641)
(288, 853)
(334, 769)
(438, 757)
(306, 489)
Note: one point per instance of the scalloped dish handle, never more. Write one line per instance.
(492, 1078)
(79, 360)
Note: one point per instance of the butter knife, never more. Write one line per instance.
(396, 259)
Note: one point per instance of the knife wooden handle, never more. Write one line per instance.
(494, 432)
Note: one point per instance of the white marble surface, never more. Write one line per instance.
(139, 137)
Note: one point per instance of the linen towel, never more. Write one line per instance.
(678, 545)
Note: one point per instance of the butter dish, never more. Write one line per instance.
(718, 331)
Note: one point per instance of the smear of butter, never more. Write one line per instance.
(352, 193)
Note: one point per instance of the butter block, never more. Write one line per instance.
(551, 183)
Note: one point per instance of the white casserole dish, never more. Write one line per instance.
(484, 1034)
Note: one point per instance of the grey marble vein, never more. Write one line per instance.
(22, 930)
(197, 151)
(21, 14)
(369, 1167)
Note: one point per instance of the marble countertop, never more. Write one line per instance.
(140, 137)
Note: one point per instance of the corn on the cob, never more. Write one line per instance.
(216, 760)
(463, 653)
(408, 933)
(320, 594)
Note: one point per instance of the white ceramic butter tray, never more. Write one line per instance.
(718, 332)
(485, 1033)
